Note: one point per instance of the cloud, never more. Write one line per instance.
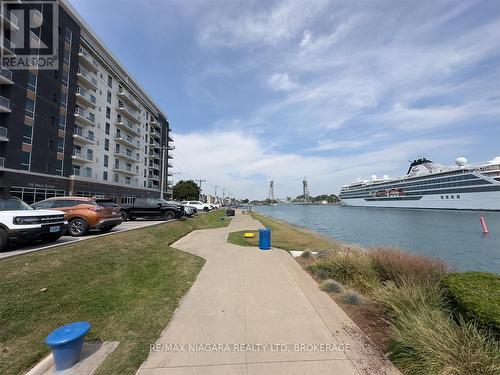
(281, 82)
(306, 38)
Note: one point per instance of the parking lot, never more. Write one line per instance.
(37, 246)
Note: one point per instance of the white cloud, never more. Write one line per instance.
(281, 82)
(306, 38)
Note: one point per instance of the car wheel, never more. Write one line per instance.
(205, 209)
(77, 227)
(51, 237)
(169, 215)
(124, 215)
(4, 240)
(107, 229)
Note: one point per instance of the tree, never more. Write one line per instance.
(186, 190)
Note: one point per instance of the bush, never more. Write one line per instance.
(430, 342)
(476, 297)
(397, 265)
(306, 254)
(353, 298)
(331, 286)
(353, 268)
(409, 297)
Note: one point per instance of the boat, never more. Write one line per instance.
(431, 185)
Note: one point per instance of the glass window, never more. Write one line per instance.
(32, 79)
(110, 81)
(108, 112)
(62, 122)
(67, 35)
(27, 134)
(60, 144)
(30, 108)
(25, 160)
(106, 161)
(59, 167)
(105, 176)
(67, 57)
(65, 78)
(106, 144)
(109, 97)
(107, 129)
(64, 99)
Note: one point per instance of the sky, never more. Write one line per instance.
(328, 90)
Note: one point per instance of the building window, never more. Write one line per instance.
(64, 100)
(108, 112)
(65, 78)
(90, 154)
(59, 167)
(447, 197)
(107, 128)
(106, 161)
(25, 160)
(106, 144)
(110, 81)
(88, 172)
(62, 122)
(27, 134)
(67, 35)
(109, 97)
(60, 144)
(32, 79)
(67, 57)
(105, 176)
(458, 196)
(30, 108)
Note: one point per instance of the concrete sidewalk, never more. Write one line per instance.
(247, 296)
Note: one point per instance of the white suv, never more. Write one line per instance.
(21, 223)
(198, 205)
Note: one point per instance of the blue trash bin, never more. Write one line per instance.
(66, 343)
(265, 239)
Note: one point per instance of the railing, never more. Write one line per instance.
(154, 131)
(6, 72)
(128, 154)
(128, 124)
(78, 154)
(87, 95)
(129, 110)
(86, 135)
(8, 44)
(126, 168)
(122, 91)
(3, 132)
(83, 113)
(85, 173)
(87, 75)
(4, 102)
(10, 16)
(88, 56)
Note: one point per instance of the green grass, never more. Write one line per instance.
(475, 296)
(126, 285)
(284, 236)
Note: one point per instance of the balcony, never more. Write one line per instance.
(154, 166)
(82, 173)
(155, 123)
(86, 78)
(78, 156)
(4, 137)
(154, 177)
(5, 76)
(154, 155)
(83, 137)
(129, 112)
(154, 133)
(83, 117)
(7, 47)
(87, 59)
(169, 156)
(169, 165)
(126, 125)
(4, 105)
(2, 162)
(85, 98)
(10, 20)
(127, 155)
(169, 137)
(127, 169)
(128, 98)
(153, 143)
(170, 148)
(126, 140)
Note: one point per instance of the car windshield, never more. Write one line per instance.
(163, 201)
(105, 203)
(12, 203)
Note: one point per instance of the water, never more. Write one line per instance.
(454, 236)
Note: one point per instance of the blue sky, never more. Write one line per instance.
(330, 90)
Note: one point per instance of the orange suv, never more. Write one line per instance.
(84, 213)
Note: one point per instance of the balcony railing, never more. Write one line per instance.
(78, 154)
(85, 95)
(82, 173)
(2, 162)
(124, 123)
(8, 45)
(4, 134)
(154, 132)
(6, 73)
(128, 111)
(84, 115)
(81, 133)
(127, 155)
(125, 95)
(88, 58)
(4, 104)
(88, 76)
(127, 140)
(11, 17)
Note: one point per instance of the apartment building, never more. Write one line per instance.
(87, 128)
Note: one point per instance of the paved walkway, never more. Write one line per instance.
(247, 296)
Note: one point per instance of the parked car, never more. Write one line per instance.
(198, 205)
(84, 213)
(151, 208)
(21, 223)
(188, 211)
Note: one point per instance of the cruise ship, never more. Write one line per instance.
(431, 185)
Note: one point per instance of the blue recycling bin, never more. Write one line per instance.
(265, 239)
(66, 343)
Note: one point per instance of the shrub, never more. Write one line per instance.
(409, 297)
(306, 254)
(331, 286)
(397, 265)
(353, 268)
(476, 297)
(353, 298)
(323, 254)
(428, 341)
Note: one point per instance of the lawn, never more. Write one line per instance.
(126, 285)
(285, 236)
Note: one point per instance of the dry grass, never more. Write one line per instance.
(397, 265)
(331, 286)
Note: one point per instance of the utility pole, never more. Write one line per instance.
(199, 184)
(215, 193)
(223, 194)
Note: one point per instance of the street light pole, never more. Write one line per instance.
(163, 174)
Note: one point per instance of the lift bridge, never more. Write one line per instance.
(305, 192)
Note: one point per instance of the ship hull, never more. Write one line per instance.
(481, 201)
